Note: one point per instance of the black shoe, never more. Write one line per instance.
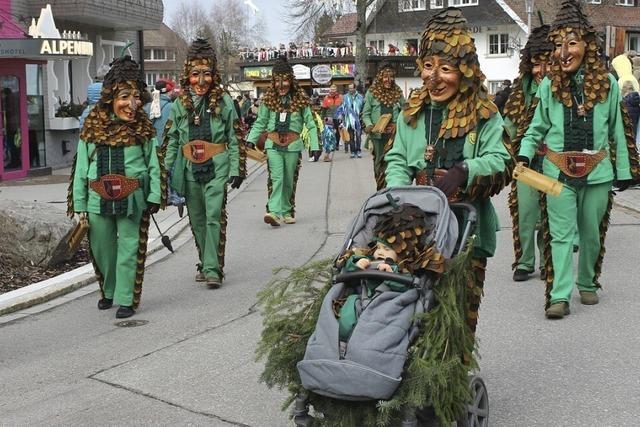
(180, 209)
(543, 274)
(105, 303)
(521, 275)
(124, 312)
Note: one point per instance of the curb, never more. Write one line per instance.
(74, 280)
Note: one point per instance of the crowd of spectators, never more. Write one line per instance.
(313, 50)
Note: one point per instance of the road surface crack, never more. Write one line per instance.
(175, 405)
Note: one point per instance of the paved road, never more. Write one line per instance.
(192, 364)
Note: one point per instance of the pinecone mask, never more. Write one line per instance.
(572, 19)
(448, 37)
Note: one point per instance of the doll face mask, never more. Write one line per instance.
(126, 102)
(282, 84)
(383, 252)
(539, 68)
(200, 79)
(441, 77)
(569, 51)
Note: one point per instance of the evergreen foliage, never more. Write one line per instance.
(439, 361)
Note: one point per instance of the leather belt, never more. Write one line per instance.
(114, 187)
(423, 179)
(283, 139)
(199, 151)
(575, 164)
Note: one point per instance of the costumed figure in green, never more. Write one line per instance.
(588, 147)
(203, 147)
(524, 201)
(117, 182)
(283, 112)
(384, 97)
(451, 135)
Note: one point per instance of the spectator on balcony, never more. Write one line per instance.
(393, 50)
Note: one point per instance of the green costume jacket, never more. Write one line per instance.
(226, 163)
(484, 152)
(140, 161)
(548, 125)
(373, 110)
(266, 121)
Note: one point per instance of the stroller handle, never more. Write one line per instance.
(377, 275)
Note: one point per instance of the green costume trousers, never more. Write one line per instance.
(205, 203)
(283, 167)
(114, 241)
(529, 215)
(587, 206)
(379, 165)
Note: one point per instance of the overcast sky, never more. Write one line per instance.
(271, 10)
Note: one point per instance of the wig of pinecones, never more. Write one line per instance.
(299, 98)
(122, 70)
(404, 230)
(538, 47)
(572, 19)
(100, 127)
(387, 97)
(448, 37)
(200, 53)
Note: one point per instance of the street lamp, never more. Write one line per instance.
(529, 8)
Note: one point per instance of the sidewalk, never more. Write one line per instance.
(629, 199)
(52, 189)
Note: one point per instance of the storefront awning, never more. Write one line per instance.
(45, 49)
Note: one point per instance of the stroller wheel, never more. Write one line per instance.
(478, 409)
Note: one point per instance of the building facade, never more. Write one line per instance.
(48, 85)
(164, 53)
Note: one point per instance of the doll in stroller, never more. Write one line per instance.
(383, 317)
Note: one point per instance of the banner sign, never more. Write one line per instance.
(258, 73)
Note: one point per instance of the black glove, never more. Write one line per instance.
(453, 179)
(235, 181)
(152, 208)
(523, 159)
(623, 184)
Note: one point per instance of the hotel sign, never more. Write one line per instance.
(44, 49)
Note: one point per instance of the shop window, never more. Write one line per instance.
(463, 3)
(411, 5)
(437, 4)
(494, 86)
(10, 122)
(35, 112)
(498, 44)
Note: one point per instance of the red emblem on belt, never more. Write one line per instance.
(112, 186)
(197, 151)
(577, 164)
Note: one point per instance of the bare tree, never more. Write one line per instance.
(233, 27)
(228, 25)
(189, 21)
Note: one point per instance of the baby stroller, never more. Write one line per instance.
(371, 366)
